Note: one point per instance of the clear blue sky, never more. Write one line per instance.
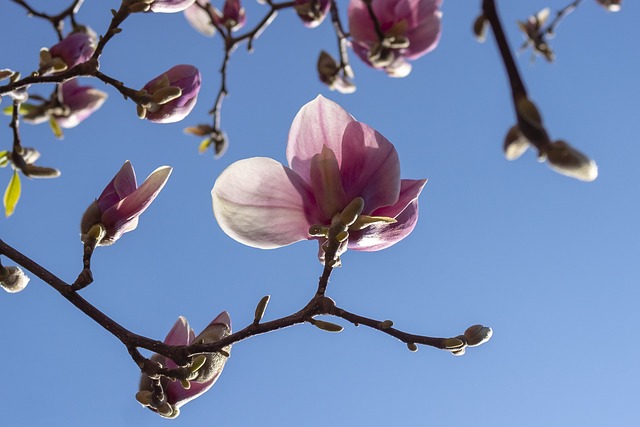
(550, 263)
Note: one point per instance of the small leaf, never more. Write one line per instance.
(204, 145)
(4, 158)
(55, 128)
(12, 194)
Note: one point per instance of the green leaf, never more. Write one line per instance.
(24, 109)
(4, 158)
(55, 128)
(12, 194)
(204, 145)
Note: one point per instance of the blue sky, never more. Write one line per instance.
(550, 263)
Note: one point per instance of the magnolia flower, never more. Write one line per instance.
(117, 209)
(173, 95)
(312, 12)
(411, 28)
(74, 49)
(170, 6)
(233, 15)
(171, 395)
(535, 34)
(199, 19)
(80, 103)
(342, 174)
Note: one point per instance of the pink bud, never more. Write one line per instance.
(122, 202)
(185, 77)
(74, 49)
(80, 102)
(233, 15)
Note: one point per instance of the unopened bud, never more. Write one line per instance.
(13, 279)
(453, 343)
(412, 346)
(141, 111)
(459, 352)
(568, 161)
(33, 171)
(477, 334)
(326, 326)
(514, 144)
(480, 28)
(528, 111)
(385, 324)
(261, 308)
(144, 397)
(5, 73)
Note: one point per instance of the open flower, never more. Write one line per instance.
(166, 397)
(342, 174)
(80, 102)
(173, 95)
(312, 12)
(117, 209)
(410, 29)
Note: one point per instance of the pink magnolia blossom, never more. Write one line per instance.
(170, 6)
(174, 394)
(74, 49)
(411, 28)
(80, 102)
(334, 160)
(199, 19)
(187, 79)
(117, 209)
(233, 15)
(312, 12)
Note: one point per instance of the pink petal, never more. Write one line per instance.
(360, 23)
(327, 183)
(123, 184)
(318, 123)
(137, 202)
(180, 334)
(379, 237)
(200, 20)
(370, 167)
(425, 37)
(263, 204)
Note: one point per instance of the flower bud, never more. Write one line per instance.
(184, 77)
(74, 49)
(480, 28)
(568, 161)
(232, 16)
(477, 334)
(514, 144)
(312, 12)
(13, 279)
(80, 103)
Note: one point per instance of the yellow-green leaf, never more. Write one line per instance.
(4, 158)
(55, 128)
(24, 109)
(12, 194)
(204, 145)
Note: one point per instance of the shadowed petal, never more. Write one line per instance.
(123, 184)
(379, 237)
(320, 122)
(180, 334)
(263, 204)
(425, 37)
(370, 167)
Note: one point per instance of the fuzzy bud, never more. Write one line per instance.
(13, 279)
